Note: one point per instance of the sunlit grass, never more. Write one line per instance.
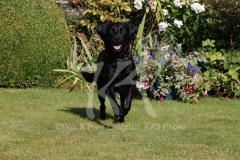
(53, 124)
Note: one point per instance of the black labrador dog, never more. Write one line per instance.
(116, 70)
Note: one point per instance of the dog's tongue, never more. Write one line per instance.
(117, 47)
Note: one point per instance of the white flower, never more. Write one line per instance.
(179, 3)
(167, 57)
(197, 8)
(152, 4)
(163, 0)
(165, 12)
(138, 4)
(163, 25)
(139, 85)
(167, 77)
(178, 23)
(165, 48)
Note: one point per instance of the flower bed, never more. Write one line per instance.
(172, 50)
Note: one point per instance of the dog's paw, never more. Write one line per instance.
(102, 117)
(117, 116)
(121, 120)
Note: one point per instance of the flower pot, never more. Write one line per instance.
(172, 93)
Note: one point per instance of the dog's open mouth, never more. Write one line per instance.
(117, 47)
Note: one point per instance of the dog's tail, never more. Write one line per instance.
(89, 77)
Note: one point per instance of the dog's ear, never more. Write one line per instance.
(101, 30)
(132, 29)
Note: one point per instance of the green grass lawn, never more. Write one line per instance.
(53, 124)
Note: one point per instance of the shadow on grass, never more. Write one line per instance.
(82, 112)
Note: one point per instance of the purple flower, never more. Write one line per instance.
(171, 52)
(150, 57)
(153, 54)
(135, 59)
(195, 70)
(192, 69)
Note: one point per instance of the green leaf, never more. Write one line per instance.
(162, 93)
(165, 90)
(216, 56)
(203, 59)
(185, 17)
(138, 47)
(126, 7)
(209, 43)
(188, 31)
(86, 49)
(234, 73)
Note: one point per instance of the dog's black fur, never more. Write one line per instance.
(116, 70)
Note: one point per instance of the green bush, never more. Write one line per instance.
(34, 41)
(224, 18)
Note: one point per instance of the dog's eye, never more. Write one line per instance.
(123, 31)
(112, 30)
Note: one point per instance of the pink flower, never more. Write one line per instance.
(161, 99)
(179, 45)
(195, 76)
(144, 53)
(205, 94)
(139, 85)
(146, 85)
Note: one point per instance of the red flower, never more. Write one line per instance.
(146, 84)
(188, 89)
(150, 71)
(161, 99)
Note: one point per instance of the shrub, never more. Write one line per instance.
(104, 11)
(221, 74)
(224, 17)
(34, 41)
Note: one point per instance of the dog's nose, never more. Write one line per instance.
(117, 39)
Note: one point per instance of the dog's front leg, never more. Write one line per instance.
(129, 97)
(123, 96)
(112, 98)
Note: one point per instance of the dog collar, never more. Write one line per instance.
(115, 61)
(124, 59)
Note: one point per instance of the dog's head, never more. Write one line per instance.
(116, 35)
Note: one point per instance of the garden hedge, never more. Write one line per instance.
(34, 40)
